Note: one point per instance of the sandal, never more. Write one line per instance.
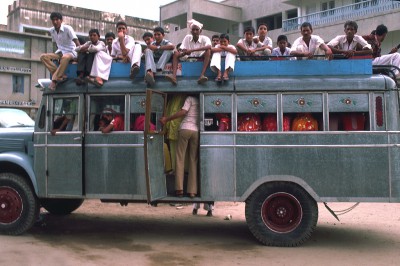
(62, 80)
(225, 78)
(134, 71)
(218, 79)
(202, 80)
(171, 79)
(94, 81)
(149, 78)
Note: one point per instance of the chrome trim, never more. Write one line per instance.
(303, 146)
(57, 145)
(114, 145)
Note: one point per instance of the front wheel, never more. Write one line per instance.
(19, 206)
(281, 214)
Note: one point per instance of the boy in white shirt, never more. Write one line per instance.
(125, 48)
(65, 38)
(223, 49)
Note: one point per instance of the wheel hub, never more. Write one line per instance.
(281, 212)
(10, 205)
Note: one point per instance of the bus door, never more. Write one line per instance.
(63, 147)
(153, 145)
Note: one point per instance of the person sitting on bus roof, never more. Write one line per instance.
(86, 56)
(214, 40)
(309, 45)
(223, 49)
(196, 46)
(110, 37)
(157, 55)
(247, 47)
(115, 121)
(65, 38)
(393, 58)
(350, 44)
(282, 49)
(264, 40)
(124, 48)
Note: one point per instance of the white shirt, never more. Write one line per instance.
(93, 48)
(64, 39)
(191, 120)
(341, 42)
(189, 44)
(253, 45)
(116, 47)
(267, 41)
(300, 46)
(277, 52)
(223, 53)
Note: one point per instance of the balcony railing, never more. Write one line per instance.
(348, 12)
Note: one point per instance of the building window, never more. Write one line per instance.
(18, 84)
(325, 6)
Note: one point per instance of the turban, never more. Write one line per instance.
(193, 22)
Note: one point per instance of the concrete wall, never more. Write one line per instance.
(19, 57)
(31, 15)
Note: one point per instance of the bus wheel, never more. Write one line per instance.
(281, 214)
(19, 207)
(61, 206)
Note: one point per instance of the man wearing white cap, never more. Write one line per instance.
(195, 46)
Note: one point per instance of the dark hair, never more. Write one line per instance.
(214, 36)
(159, 29)
(306, 24)
(282, 38)
(110, 34)
(261, 24)
(381, 30)
(94, 31)
(249, 28)
(123, 23)
(147, 34)
(224, 36)
(55, 15)
(351, 24)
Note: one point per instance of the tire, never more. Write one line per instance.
(281, 214)
(61, 206)
(19, 207)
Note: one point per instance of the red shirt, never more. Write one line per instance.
(118, 123)
(376, 46)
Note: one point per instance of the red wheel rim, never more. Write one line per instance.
(281, 212)
(10, 205)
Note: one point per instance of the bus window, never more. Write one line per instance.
(103, 109)
(65, 114)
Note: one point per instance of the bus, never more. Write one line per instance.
(280, 135)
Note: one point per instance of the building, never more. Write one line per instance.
(282, 17)
(20, 68)
(33, 16)
(26, 38)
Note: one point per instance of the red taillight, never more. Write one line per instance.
(379, 111)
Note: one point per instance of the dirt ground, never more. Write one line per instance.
(138, 234)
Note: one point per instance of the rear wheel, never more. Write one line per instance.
(61, 206)
(19, 206)
(281, 214)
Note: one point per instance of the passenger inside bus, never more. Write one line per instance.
(115, 121)
(188, 141)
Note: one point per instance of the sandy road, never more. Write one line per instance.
(108, 234)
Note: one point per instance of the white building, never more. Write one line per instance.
(283, 17)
